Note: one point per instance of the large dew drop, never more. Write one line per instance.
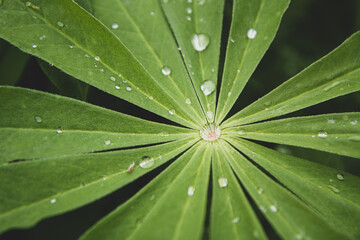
(115, 26)
(223, 182)
(146, 162)
(191, 191)
(273, 208)
(251, 33)
(322, 134)
(38, 119)
(166, 70)
(340, 177)
(200, 42)
(207, 87)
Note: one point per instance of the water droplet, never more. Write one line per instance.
(34, 46)
(166, 70)
(232, 40)
(115, 26)
(200, 42)
(340, 176)
(322, 134)
(334, 189)
(151, 97)
(152, 13)
(163, 134)
(188, 18)
(334, 84)
(223, 182)
(263, 209)
(117, 87)
(229, 94)
(189, 1)
(59, 130)
(208, 87)
(191, 191)
(107, 142)
(53, 200)
(210, 132)
(251, 33)
(298, 236)
(128, 89)
(213, 70)
(260, 190)
(273, 208)
(354, 122)
(124, 81)
(131, 167)
(38, 119)
(104, 178)
(71, 46)
(331, 121)
(201, 2)
(172, 111)
(210, 115)
(97, 58)
(60, 24)
(188, 101)
(189, 10)
(235, 220)
(238, 71)
(152, 197)
(242, 132)
(112, 78)
(146, 162)
(42, 37)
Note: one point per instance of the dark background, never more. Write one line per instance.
(309, 30)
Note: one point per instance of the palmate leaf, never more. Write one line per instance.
(58, 154)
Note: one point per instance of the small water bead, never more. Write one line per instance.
(59, 130)
(189, 10)
(163, 134)
(241, 132)
(298, 236)
(128, 89)
(52, 201)
(172, 111)
(331, 86)
(124, 81)
(223, 182)
(251, 33)
(235, 220)
(260, 190)
(322, 134)
(71, 46)
(60, 24)
(38, 119)
(191, 191)
(117, 87)
(208, 87)
(34, 46)
(263, 209)
(166, 70)
(340, 177)
(188, 18)
(331, 121)
(229, 94)
(273, 208)
(152, 13)
(188, 101)
(146, 162)
(238, 71)
(115, 26)
(201, 2)
(107, 142)
(189, 1)
(42, 37)
(232, 40)
(210, 115)
(150, 97)
(213, 70)
(200, 42)
(112, 78)
(97, 58)
(333, 188)
(354, 122)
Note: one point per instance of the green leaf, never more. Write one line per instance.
(55, 30)
(12, 64)
(232, 216)
(33, 190)
(336, 133)
(36, 124)
(288, 215)
(167, 208)
(67, 85)
(333, 194)
(145, 32)
(188, 18)
(243, 52)
(334, 75)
